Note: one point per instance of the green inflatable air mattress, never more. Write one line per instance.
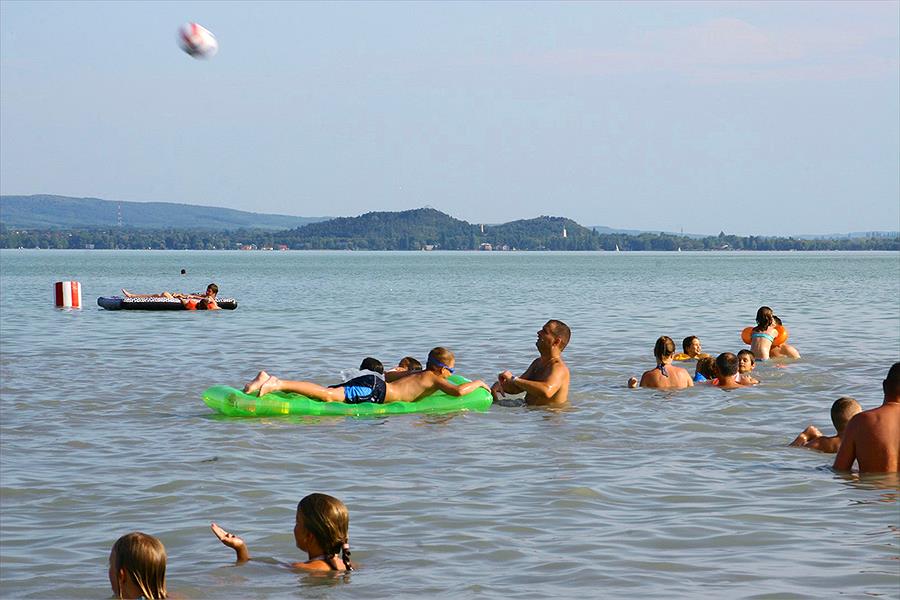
(235, 403)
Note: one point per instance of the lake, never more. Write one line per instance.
(622, 493)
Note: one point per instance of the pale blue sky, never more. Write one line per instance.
(752, 118)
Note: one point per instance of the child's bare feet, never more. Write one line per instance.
(269, 385)
(256, 382)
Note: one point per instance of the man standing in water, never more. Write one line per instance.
(546, 380)
(872, 437)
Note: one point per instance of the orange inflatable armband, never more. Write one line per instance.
(781, 337)
(745, 335)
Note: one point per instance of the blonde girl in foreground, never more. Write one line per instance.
(137, 567)
(320, 530)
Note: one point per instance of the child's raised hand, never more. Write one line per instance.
(229, 539)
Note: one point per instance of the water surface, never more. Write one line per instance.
(624, 493)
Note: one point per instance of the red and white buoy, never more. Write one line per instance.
(67, 294)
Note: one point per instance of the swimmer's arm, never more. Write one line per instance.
(545, 389)
(828, 445)
(232, 541)
(806, 436)
(847, 452)
(459, 390)
(390, 376)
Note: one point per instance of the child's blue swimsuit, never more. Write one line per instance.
(365, 388)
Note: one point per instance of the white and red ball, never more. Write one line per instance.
(197, 41)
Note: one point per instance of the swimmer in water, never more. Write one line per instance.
(137, 567)
(407, 365)
(746, 362)
(692, 349)
(842, 411)
(320, 529)
(784, 350)
(763, 334)
(664, 374)
(546, 380)
(727, 368)
(706, 370)
(872, 438)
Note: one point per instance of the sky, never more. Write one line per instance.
(768, 118)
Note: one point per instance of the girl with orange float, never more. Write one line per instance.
(769, 338)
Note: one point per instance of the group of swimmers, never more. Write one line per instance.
(869, 438)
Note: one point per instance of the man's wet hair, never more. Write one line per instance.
(727, 364)
(892, 382)
(562, 331)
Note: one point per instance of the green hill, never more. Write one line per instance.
(63, 212)
(404, 230)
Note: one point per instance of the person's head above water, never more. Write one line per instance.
(212, 289)
(706, 366)
(410, 364)
(554, 334)
(746, 361)
(691, 345)
(891, 384)
(842, 411)
(727, 364)
(137, 567)
(664, 348)
(440, 359)
(326, 520)
(371, 364)
(764, 318)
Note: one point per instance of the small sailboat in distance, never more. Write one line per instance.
(617, 248)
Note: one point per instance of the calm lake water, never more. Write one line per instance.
(624, 493)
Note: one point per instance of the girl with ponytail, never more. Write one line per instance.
(320, 529)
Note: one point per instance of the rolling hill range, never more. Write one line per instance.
(63, 212)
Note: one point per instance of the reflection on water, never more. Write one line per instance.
(632, 492)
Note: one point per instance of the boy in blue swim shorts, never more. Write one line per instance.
(370, 388)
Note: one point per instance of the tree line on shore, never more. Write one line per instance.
(419, 229)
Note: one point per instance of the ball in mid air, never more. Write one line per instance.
(197, 41)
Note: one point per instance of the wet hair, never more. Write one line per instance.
(706, 366)
(842, 411)
(562, 331)
(143, 558)
(328, 520)
(183, 272)
(664, 347)
(686, 342)
(777, 320)
(212, 288)
(440, 355)
(727, 364)
(891, 383)
(748, 353)
(410, 363)
(764, 318)
(371, 364)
